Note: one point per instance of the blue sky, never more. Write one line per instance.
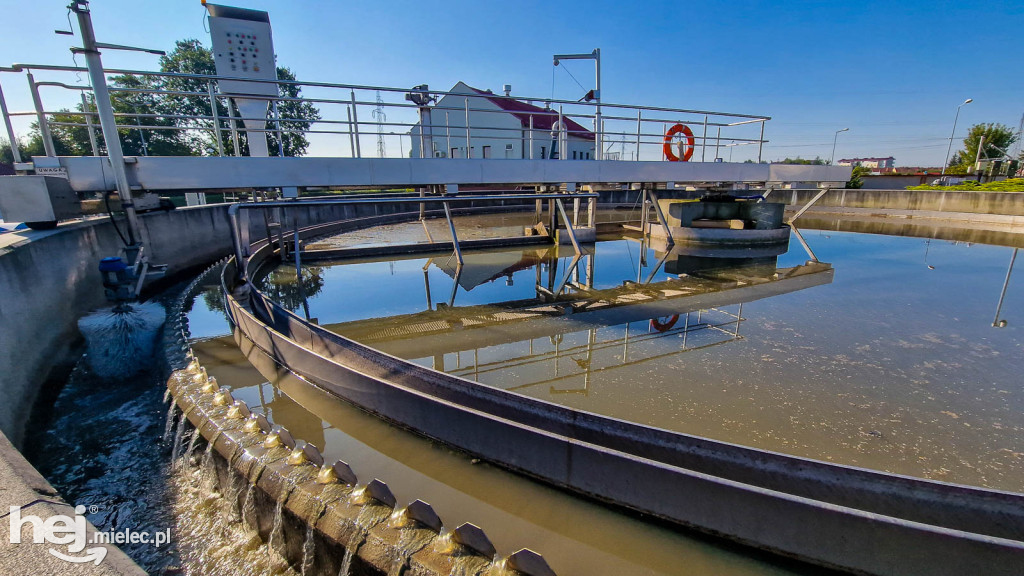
(893, 72)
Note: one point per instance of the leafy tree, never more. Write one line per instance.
(191, 57)
(6, 155)
(998, 139)
(857, 177)
(183, 135)
(282, 286)
(798, 160)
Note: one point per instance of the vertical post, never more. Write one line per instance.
(355, 124)
(638, 121)
(216, 118)
(591, 212)
(234, 129)
(760, 143)
(598, 124)
(469, 145)
(531, 138)
(44, 126)
(87, 114)
(562, 144)
(277, 124)
(447, 135)
(552, 219)
(10, 128)
(643, 213)
(351, 140)
(575, 211)
(718, 140)
(423, 127)
(107, 122)
(704, 139)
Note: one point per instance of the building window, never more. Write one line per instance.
(455, 152)
(543, 152)
(588, 155)
(573, 154)
(487, 151)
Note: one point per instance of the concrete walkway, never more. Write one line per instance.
(21, 484)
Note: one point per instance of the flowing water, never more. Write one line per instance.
(894, 364)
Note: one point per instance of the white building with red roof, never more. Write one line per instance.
(500, 127)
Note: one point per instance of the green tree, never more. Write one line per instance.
(998, 139)
(6, 155)
(798, 160)
(191, 57)
(857, 177)
(168, 126)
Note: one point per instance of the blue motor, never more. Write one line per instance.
(118, 280)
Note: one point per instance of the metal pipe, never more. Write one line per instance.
(531, 136)
(1006, 283)
(803, 242)
(44, 127)
(277, 123)
(19, 67)
(88, 125)
(704, 139)
(562, 145)
(569, 229)
(945, 163)
(599, 136)
(455, 240)
(718, 141)
(448, 135)
(355, 124)
(661, 217)
(808, 205)
(638, 121)
(760, 144)
(469, 146)
(216, 118)
(351, 141)
(15, 152)
(106, 114)
(234, 129)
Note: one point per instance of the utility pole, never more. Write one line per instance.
(596, 57)
(90, 49)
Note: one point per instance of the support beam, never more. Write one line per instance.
(455, 238)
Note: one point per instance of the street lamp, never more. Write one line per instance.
(949, 148)
(834, 140)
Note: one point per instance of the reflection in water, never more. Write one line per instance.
(575, 536)
(894, 366)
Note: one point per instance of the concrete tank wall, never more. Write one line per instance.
(1005, 203)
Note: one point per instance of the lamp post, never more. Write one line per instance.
(949, 148)
(831, 160)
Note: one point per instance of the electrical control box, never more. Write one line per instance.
(243, 48)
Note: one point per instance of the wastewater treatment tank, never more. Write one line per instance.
(865, 355)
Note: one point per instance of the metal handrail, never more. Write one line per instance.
(216, 123)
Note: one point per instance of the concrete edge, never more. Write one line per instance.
(21, 485)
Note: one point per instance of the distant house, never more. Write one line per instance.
(873, 163)
(499, 127)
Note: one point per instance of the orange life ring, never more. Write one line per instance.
(690, 143)
(665, 326)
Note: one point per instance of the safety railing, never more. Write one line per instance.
(377, 121)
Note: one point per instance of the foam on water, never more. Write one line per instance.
(120, 342)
